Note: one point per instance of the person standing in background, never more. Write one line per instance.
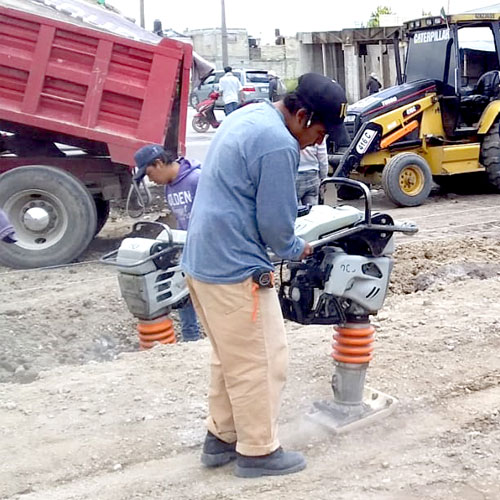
(373, 85)
(313, 168)
(230, 87)
(273, 86)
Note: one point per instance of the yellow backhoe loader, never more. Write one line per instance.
(440, 122)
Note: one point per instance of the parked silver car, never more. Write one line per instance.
(255, 86)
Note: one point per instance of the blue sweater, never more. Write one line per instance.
(246, 199)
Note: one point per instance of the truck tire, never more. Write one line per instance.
(102, 208)
(407, 180)
(53, 213)
(490, 154)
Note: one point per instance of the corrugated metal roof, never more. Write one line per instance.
(84, 14)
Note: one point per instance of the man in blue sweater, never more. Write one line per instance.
(246, 203)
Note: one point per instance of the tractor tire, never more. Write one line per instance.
(102, 208)
(200, 124)
(348, 193)
(490, 155)
(407, 180)
(52, 212)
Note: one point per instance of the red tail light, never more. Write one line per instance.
(248, 89)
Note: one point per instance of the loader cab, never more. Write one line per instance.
(478, 80)
(461, 53)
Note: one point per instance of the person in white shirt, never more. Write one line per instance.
(230, 87)
(313, 168)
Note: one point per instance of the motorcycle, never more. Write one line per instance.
(205, 116)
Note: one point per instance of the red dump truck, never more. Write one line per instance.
(101, 96)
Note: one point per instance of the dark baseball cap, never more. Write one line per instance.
(327, 100)
(144, 157)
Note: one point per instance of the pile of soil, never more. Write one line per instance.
(420, 265)
(84, 414)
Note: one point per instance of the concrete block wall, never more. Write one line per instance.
(208, 43)
(283, 59)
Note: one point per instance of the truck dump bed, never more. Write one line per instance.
(83, 86)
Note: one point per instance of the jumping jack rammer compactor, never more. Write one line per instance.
(342, 283)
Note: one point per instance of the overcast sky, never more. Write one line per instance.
(261, 17)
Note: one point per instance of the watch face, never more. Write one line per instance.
(265, 279)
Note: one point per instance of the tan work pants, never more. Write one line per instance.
(248, 365)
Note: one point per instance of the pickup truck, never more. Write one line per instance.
(76, 102)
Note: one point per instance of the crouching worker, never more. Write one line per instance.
(180, 178)
(246, 202)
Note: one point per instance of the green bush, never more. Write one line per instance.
(291, 84)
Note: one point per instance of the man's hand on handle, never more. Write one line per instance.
(308, 250)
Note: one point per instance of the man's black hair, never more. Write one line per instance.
(293, 103)
(227, 69)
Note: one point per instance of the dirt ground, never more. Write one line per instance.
(85, 415)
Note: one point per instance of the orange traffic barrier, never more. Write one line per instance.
(353, 345)
(160, 330)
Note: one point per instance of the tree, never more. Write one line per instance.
(374, 21)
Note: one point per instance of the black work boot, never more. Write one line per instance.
(217, 452)
(277, 463)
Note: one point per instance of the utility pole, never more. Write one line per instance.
(225, 61)
(142, 13)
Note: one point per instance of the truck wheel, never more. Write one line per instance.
(490, 155)
(200, 124)
(407, 180)
(52, 212)
(349, 193)
(102, 208)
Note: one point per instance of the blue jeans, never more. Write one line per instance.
(229, 108)
(189, 322)
(307, 184)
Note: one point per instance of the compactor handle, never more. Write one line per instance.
(357, 185)
(110, 258)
